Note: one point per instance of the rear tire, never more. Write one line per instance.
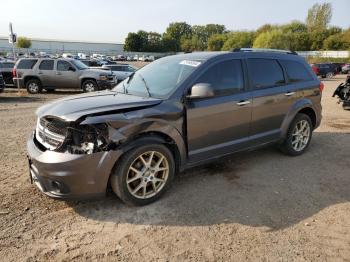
(298, 137)
(89, 86)
(33, 86)
(143, 174)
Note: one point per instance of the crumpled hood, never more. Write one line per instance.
(73, 107)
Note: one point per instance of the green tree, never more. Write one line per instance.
(319, 16)
(275, 39)
(154, 42)
(192, 44)
(334, 42)
(266, 28)
(239, 39)
(23, 42)
(294, 27)
(176, 32)
(133, 43)
(216, 42)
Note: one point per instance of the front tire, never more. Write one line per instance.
(143, 174)
(89, 86)
(33, 86)
(299, 136)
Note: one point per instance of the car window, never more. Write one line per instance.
(26, 63)
(7, 65)
(296, 72)
(46, 65)
(265, 73)
(130, 69)
(225, 77)
(63, 66)
(117, 68)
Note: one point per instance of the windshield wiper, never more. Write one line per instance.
(147, 88)
(129, 79)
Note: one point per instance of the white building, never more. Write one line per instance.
(64, 46)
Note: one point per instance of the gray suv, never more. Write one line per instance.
(177, 112)
(36, 74)
(121, 71)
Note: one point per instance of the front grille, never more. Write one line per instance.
(51, 132)
(54, 125)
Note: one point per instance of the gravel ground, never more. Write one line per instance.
(251, 206)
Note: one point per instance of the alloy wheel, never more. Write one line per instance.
(33, 87)
(89, 87)
(147, 175)
(301, 135)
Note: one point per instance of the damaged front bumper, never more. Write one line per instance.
(70, 176)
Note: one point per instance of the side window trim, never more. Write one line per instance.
(251, 85)
(288, 80)
(45, 60)
(244, 76)
(64, 62)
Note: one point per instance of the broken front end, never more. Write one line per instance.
(69, 160)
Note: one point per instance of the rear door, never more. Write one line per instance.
(272, 98)
(46, 72)
(219, 125)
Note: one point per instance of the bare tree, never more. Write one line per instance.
(319, 16)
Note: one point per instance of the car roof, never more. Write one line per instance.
(274, 54)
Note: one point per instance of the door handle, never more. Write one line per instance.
(242, 103)
(289, 93)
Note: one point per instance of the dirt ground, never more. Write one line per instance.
(251, 206)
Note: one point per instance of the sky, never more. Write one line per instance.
(111, 21)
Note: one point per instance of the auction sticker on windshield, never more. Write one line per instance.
(190, 63)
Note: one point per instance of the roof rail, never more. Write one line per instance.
(264, 50)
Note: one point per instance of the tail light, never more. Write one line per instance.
(321, 87)
(14, 72)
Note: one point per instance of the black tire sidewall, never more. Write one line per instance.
(33, 81)
(287, 145)
(118, 177)
(90, 81)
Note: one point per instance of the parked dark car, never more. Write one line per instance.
(2, 84)
(325, 70)
(6, 68)
(338, 67)
(177, 112)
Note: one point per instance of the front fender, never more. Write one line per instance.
(155, 126)
(293, 111)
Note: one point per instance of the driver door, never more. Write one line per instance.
(66, 75)
(221, 124)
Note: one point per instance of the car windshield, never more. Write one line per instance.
(79, 65)
(161, 77)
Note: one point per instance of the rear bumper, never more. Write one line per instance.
(20, 82)
(69, 176)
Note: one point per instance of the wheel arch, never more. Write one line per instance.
(157, 137)
(302, 106)
(29, 77)
(83, 79)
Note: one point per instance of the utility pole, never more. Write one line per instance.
(13, 40)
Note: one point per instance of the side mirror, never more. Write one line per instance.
(71, 69)
(201, 90)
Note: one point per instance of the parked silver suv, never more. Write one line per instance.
(36, 74)
(121, 71)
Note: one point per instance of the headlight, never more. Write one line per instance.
(103, 77)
